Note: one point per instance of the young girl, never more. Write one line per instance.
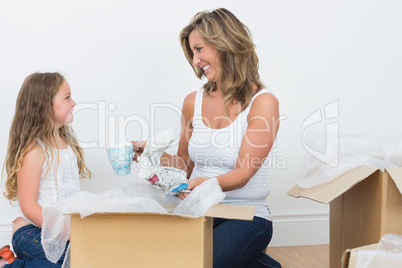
(44, 163)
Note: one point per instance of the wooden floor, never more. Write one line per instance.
(301, 256)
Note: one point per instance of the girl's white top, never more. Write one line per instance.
(215, 152)
(58, 182)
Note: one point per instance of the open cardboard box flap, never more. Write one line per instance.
(219, 211)
(396, 175)
(231, 212)
(349, 257)
(327, 192)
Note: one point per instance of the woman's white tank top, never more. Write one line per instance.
(215, 152)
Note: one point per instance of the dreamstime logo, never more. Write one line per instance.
(330, 136)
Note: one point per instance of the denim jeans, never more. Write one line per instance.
(28, 248)
(238, 243)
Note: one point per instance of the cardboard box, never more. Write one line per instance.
(349, 257)
(365, 204)
(147, 239)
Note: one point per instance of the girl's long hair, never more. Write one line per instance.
(239, 71)
(33, 120)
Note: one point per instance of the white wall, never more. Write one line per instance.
(123, 59)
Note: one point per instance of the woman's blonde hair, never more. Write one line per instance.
(239, 71)
(33, 120)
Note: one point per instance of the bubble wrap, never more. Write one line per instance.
(136, 197)
(169, 179)
(391, 243)
(346, 153)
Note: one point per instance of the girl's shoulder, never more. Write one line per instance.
(35, 156)
(36, 148)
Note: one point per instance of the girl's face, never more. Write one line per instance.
(205, 56)
(63, 106)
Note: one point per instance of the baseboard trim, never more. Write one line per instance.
(299, 217)
(5, 226)
(5, 233)
(300, 229)
(289, 230)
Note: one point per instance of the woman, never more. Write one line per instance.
(228, 129)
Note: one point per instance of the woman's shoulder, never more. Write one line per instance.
(189, 100)
(264, 102)
(188, 105)
(264, 95)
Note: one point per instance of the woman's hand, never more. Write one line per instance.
(138, 148)
(194, 182)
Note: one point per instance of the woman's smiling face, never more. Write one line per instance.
(205, 56)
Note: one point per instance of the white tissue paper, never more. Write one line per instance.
(346, 153)
(136, 197)
(171, 180)
(201, 198)
(378, 259)
(388, 253)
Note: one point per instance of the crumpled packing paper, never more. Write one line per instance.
(135, 197)
(346, 153)
(169, 179)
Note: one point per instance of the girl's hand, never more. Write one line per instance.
(138, 148)
(194, 182)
